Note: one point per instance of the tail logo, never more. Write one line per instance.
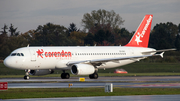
(138, 36)
(138, 39)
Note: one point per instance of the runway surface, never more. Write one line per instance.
(90, 84)
(109, 98)
(125, 82)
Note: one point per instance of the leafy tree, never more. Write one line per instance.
(163, 36)
(72, 28)
(101, 18)
(103, 24)
(29, 36)
(4, 29)
(78, 37)
(3, 46)
(102, 37)
(89, 40)
(3, 36)
(177, 42)
(51, 35)
(12, 30)
(122, 36)
(3, 40)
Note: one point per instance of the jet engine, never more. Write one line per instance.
(82, 69)
(41, 72)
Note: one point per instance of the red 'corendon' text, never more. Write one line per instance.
(58, 54)
(53, 54)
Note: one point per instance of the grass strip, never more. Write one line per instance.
(18, 93)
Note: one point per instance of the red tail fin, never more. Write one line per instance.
(141, 37)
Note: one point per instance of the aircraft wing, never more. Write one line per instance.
(100, 61)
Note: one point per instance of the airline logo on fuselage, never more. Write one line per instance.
(41, 53)
(141, 35)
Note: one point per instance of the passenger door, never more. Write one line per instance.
(33, 55)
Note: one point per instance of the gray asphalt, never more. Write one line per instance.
(109, 98)
(92, 84)
(128, 82)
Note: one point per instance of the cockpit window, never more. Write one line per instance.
(22, 54)
(13, 54)
(17, 54)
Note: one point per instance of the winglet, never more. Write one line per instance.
(141, 36)
(161, 54)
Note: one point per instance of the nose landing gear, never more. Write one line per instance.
(26, 77)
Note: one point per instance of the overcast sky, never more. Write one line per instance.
(29, 14)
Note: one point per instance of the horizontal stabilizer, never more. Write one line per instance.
(163, 50)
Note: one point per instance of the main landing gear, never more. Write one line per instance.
(93, 76)
(65, 75)
(26, 77)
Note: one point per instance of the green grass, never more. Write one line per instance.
(17, 93)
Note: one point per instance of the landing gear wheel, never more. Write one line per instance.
(65, 76)
(93, 76)
(26, 77)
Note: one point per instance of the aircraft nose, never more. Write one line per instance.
(8, 62)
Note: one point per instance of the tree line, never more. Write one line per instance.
(101, 28)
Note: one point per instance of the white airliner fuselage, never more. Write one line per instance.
(59, 57)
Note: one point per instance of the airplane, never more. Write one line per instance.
(84, 60)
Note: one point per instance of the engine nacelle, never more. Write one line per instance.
(82, 69)
(41, 72)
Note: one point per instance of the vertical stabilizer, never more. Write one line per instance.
(141, 36)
